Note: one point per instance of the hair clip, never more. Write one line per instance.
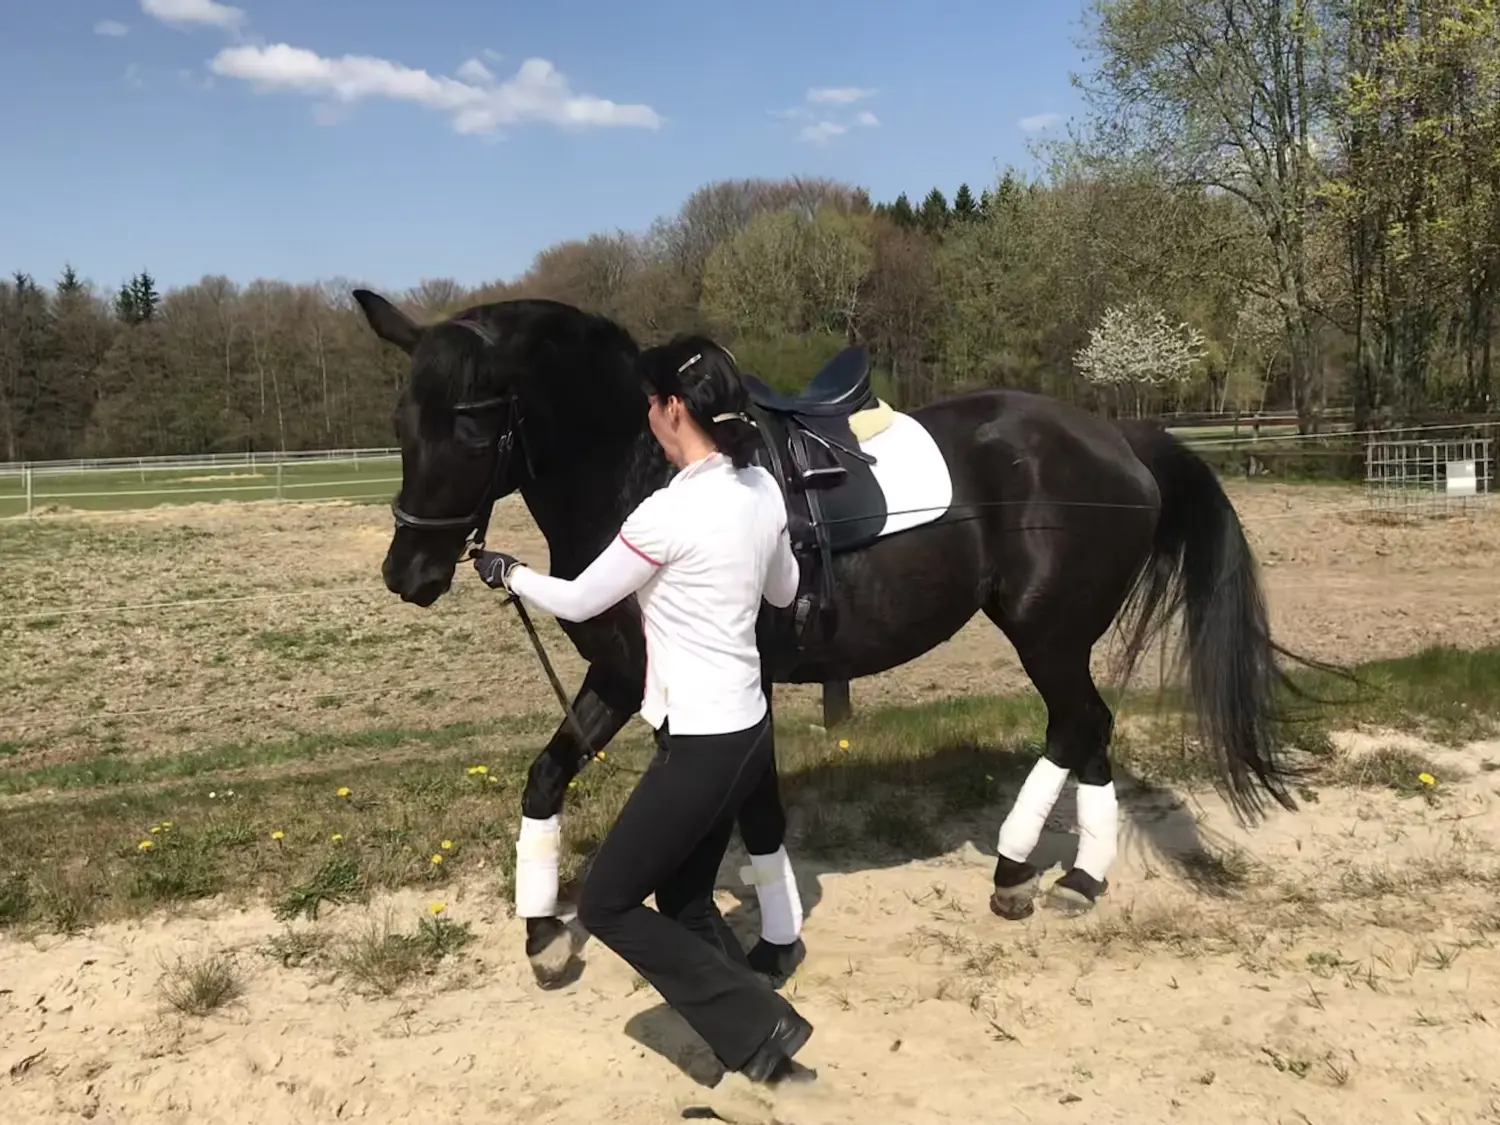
(735, 416)
(689, 363)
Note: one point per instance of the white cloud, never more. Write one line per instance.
(181, 12)
(838, 95)
(1038, 121)
(475, 102)
(822, 132)
(111, 28)
(826, 122)
(476, 72)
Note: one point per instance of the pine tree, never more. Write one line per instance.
(125, 305)
(902, 214)
(964, 207)
(934, 215)
(69, 285)
(147, 299)
(137, 301)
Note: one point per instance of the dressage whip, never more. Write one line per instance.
(557, 688)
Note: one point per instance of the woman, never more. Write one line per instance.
(699, 554)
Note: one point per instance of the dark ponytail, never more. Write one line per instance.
(735, 435)
(704, 376)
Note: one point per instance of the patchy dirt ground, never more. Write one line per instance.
(283, 625)
(1337, 966)
(1334, 965)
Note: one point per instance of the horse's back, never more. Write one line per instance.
(1022, 441)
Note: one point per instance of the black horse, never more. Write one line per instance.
(1049, 520)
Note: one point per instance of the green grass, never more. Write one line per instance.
(906, 782)
(221, 763)
(373, 480)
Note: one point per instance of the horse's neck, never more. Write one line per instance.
(578, 511)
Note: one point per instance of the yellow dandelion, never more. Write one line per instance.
(600, 755)
(493, 780)
(335, 838)
(278, 835)
(446, 845)
(573, 784)
(1426, 779)
(343, 791)
(436, 908)
(843, 744)
(144, 845)
(437, 859)
(156, 830)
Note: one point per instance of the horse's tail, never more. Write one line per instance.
(1201, 562)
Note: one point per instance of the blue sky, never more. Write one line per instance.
(394, 141)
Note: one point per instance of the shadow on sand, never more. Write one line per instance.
(848, 815)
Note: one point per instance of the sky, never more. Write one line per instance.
(391, 141)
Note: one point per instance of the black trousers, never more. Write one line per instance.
(669, 840)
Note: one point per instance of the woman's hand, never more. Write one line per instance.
(494, 569)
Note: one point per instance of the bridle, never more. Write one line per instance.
(511, 435)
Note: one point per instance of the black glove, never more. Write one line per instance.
(494, 567)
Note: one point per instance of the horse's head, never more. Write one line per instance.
(492, 397)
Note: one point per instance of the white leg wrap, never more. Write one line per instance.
(1098, 829)
(776, 892)
(1023, 825)
(536, 867)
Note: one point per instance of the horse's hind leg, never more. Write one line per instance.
(1079, 725)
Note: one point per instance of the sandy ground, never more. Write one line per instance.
(1349, 977)
(1347, 974)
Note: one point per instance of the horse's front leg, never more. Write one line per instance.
(603, 706)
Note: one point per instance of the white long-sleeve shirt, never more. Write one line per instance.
(699, 554)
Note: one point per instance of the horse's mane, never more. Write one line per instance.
(552, 349)
(573, 370)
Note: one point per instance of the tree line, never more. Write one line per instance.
(1269, 203)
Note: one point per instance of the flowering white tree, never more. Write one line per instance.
(1133, 346)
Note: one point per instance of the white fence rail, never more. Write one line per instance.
(195, 460)
(143, 482)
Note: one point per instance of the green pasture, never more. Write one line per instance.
(330, 817)
(373, 480)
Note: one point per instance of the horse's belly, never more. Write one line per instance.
(896, 600)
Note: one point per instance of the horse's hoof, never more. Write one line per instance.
(549, 948)
(1075, 893)
(775, 962)
(1015, 903)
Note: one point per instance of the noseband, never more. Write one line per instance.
(477, 522)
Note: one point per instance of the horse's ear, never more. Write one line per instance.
(390, 323)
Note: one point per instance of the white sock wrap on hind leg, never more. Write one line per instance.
(1098, 829)
(1023, 825)
(776, 893)
(536, 867)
